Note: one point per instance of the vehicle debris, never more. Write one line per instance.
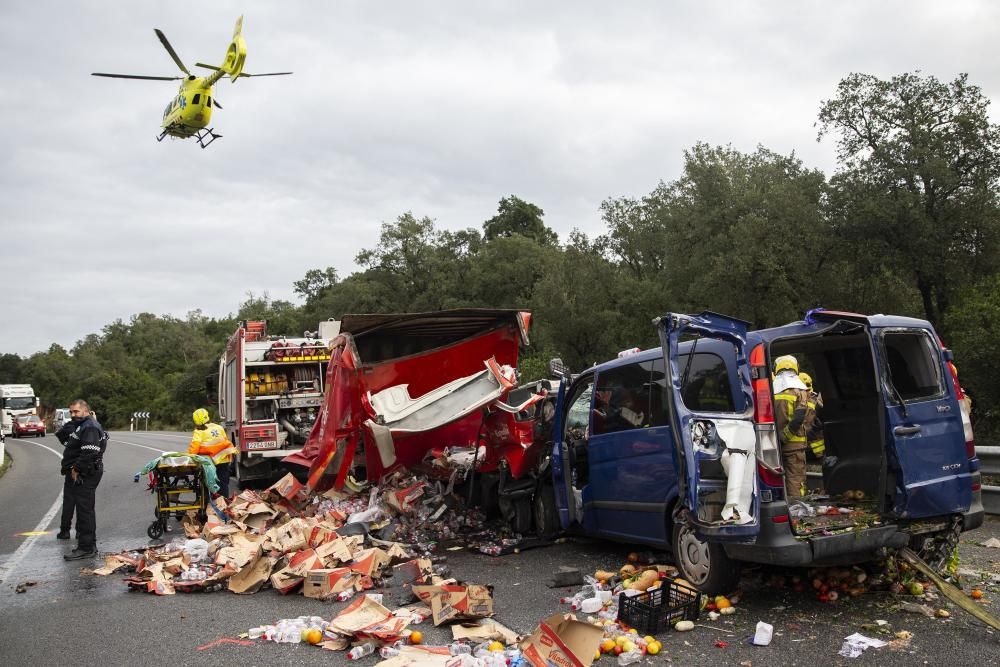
(856, 644)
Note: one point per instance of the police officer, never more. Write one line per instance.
(793, 418)
(210, 440)
(84, 442)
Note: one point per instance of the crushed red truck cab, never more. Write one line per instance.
(400, 388)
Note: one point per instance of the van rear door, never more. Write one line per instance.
(717, 469)
(924, 425)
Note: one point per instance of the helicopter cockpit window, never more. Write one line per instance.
(208, 101)
(197, 98)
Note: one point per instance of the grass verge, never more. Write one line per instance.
(7, 462)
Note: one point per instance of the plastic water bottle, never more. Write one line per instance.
(460, 648)
(388, 651)
(361, 651)
(635, 655)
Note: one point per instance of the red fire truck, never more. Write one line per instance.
(270, 390)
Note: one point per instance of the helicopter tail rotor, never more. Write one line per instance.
(236, 54)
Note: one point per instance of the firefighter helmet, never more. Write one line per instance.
(806, 380)
(786, 363)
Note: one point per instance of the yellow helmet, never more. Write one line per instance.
(786, 363)
(200, 416)
(806, 380)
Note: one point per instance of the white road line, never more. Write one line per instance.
(11, 564)
(147, 434)
(136, 444)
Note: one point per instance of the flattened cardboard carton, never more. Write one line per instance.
(301, 562)
(366, 615)
(411, 571)
(328, 582)
(403, 500)
(287, 488)
(450, 602)
(286, 580)
(370, 562)
(562, 641)
(335, 552)
(253, 575)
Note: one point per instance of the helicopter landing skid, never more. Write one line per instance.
(206, 137)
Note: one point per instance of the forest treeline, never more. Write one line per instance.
(908, 224)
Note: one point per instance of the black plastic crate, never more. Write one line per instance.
(657, 610)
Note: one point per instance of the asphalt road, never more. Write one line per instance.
(69, 618)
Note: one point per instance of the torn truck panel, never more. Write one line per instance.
(404, 414)
(420, 375)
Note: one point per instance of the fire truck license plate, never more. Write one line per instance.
(263, 444)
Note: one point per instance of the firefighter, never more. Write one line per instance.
(210, 440)
(793, 419)
(817, 444)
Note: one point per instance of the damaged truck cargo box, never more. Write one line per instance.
(398, 386)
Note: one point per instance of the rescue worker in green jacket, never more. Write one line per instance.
(793, 418)
(817, 443)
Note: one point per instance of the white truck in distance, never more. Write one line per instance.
(270, 390)
(16, 400)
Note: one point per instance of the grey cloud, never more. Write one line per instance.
(438, 108)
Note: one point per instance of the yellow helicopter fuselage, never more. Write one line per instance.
(191, 108)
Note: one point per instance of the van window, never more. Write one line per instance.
(578, 414)
(622, 399)
(707, 388)
(913, 365)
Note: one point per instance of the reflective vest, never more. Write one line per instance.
(792, 428)
(814, 436)
(211, 441)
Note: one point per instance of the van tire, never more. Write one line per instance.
(704, 564)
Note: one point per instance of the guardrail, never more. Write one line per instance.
(990, 457)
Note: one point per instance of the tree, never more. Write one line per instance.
(916, 185)
(739, 233)
(518, 217)
(315, 281)
(11, 369)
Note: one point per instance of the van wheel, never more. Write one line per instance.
(704, 564)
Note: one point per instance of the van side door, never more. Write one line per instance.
(631, 459)
(716, 449)
(924, 424)
(569, 448)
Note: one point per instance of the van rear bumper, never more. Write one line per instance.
(777, 546)
(974, 517)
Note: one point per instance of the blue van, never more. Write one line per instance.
(676, 447)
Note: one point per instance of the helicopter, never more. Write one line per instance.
(189, 113)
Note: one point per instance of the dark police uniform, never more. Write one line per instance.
(84, 443)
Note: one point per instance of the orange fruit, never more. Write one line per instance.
(495, 646)
(976, 594)
(722, 602)
(653, 648)
(314, 636)
(416, 637)
(608, 645)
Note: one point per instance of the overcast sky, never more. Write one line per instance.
(439, 108)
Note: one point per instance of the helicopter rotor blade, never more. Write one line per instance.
(170, 50)
(137, 76)
(216, 103)
(243, 74)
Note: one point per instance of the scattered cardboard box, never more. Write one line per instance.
(451, 602)
(562, 640)
(325, 583)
